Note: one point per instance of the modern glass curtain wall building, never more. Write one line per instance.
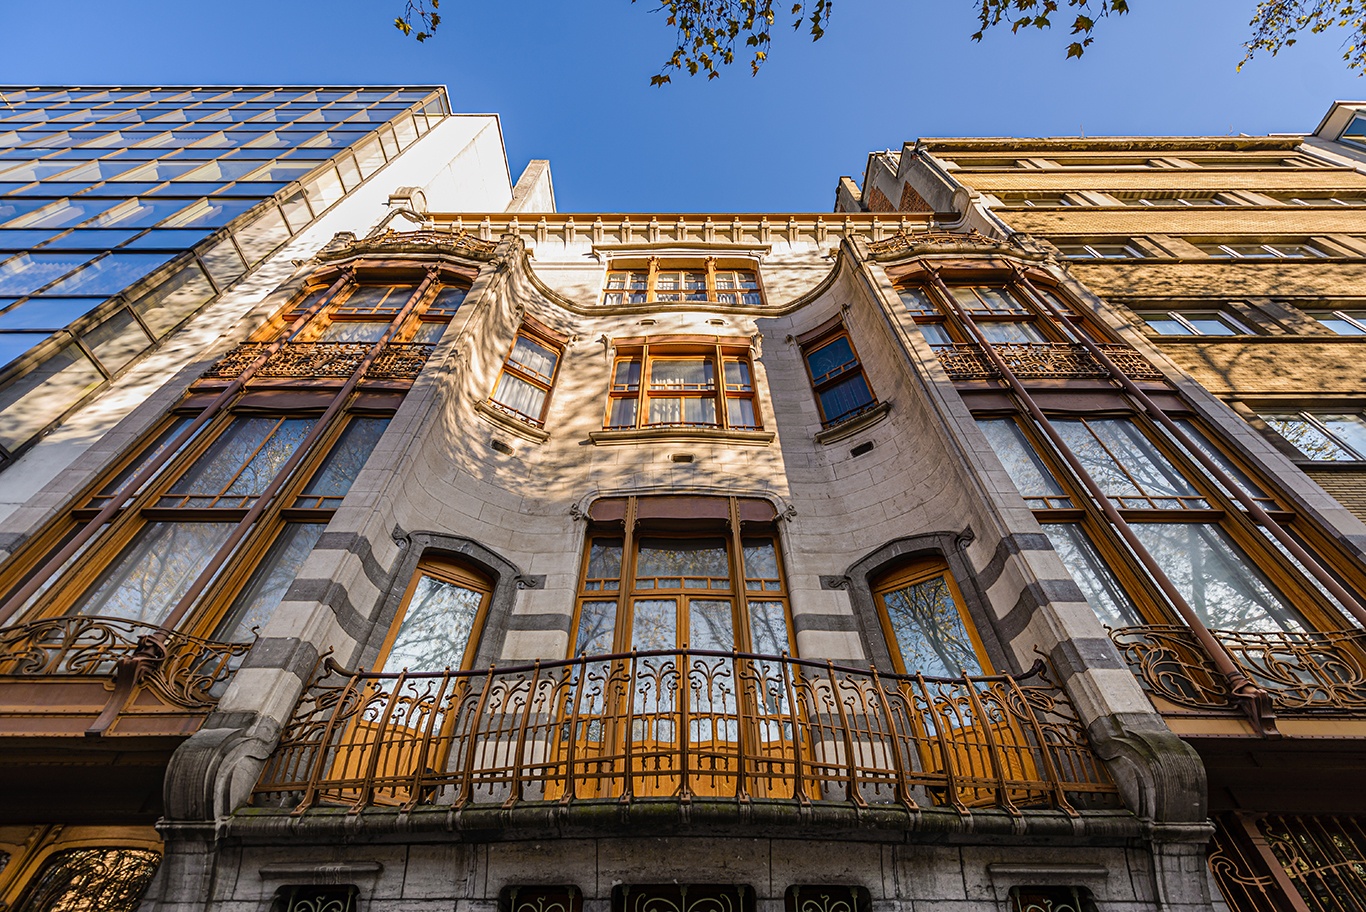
(125, 210)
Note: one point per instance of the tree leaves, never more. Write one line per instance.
(707, 33)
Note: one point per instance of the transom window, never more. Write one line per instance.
(679, 383)
(1322, 436)
(669, 282)
(837, 377)
(1183, 323)
(1251, 251)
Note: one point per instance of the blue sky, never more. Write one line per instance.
(571, 81)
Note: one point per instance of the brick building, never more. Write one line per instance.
(500, 558)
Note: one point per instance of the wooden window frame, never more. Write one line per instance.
(538, 334)
(456, 574)
(812, 343)
(710, 267)
(717, 352)
(910, 574)
(336, 311)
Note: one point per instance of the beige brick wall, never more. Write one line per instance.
(1274, 366)
(1280, 278)
(1166, 179)
(1348, 487)
(1216, 220)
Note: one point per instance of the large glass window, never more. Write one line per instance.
(438, 623)
(684, 385)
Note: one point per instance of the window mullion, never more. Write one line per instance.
(643, 387)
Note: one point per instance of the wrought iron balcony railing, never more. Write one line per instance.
(1319, 672)
(683, 725)
(1042, 361)
(184, 671)
(324, 360)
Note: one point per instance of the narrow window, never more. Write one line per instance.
(927, 631)
(842, 390)
(523, 389)
(439, 621)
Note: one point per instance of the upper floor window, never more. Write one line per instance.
(668, 282)
(363, 313)
(1100, 251)
(1251, 251)
(1043, 200)
(1321, 199)
(1183, 200)
(1355, 133)
(1322, 436)
(682, 383)
(523, 389)
(1344, 322)
(837, 377)
(1194, 323)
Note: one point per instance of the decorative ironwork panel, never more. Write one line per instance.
(457, 243)
(1302, 671)
(683, 723)
(540, 899)
(1041, 361)
(1324, 857)
(316, 899)
(682, 898)
(234, 362)
(107, 879)
(186, 671)
(400, 361)
(1050, 899)
(815, 898)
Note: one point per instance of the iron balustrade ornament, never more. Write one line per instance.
(909, 243)
(1039, 361)
(185, 671)
(324, 360)
(683, 724)
(1301, 671)
(107, 879)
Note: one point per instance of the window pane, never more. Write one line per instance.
(761, 561)
(436, 627)
(1124, 463)
(655, 624)
(917, 301)
(831, 359)
(151, 574)
(604, 565)
(1212, 326)
(710, 625)
(1203, 445)
(1308, 438)
(1348, 429)
(846, 398)
(696, 558)
(935, 333)
(243, 460)
(1011, 333)
(737, 376)
(690, 411)
(683, 374)
(768, 628)
(151, 452)
(597, 623)
(520, 396)
(1021, 462)
(929, 631)
(111, 274)
(347, 331)
(623, 413)
(533, 358)
(268, 584)
(1342, 326)
(1165, 326)
(334, 477)
(627, 376)
(1106, 597)
(1215, 578)
(740, 413)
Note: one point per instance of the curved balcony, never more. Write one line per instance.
(679, 726)
(1301, 672)
(81, 675)
(1042, 361)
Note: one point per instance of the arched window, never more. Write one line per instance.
(439, 620)
(928, 631)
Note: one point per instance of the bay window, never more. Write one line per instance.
(681, 383)
(663, 281)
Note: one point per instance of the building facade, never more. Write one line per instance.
(510, 559)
